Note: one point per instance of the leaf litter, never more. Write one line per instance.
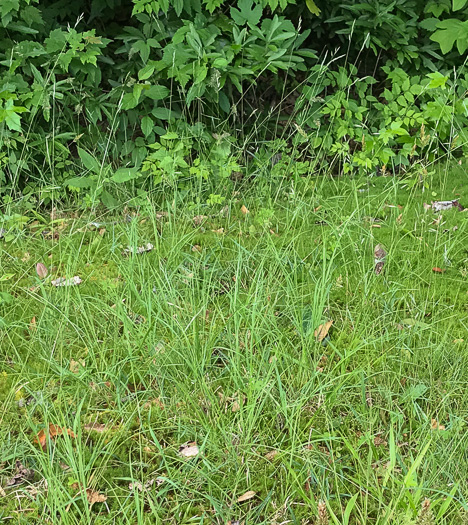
(53, 431)
(189, 450)
(62, 281)
(322, 331)
(21, 475)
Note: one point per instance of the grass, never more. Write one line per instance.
(209, 338)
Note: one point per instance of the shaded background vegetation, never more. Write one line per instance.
(110, 97)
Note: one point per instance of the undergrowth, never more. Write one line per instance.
(210, 338)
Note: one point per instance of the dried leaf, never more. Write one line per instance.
(248, 495)
(426, 206)
(138, 486)
(379, 258)
(95, 497)
(199, 219)
(189, 449)
(446, 205)
(61, 281)
(436, 269)
(235, 406)
(322, 331)
(32, 325)
(219, 231)
(52, 431)
(244, 210)
(130, 250)
(76, 365)
(96, 427)
(436, 426)
(41, 270)
(379, 442)
(196, 248)
(271, 455)
(21, 474)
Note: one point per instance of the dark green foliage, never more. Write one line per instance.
(187, 90)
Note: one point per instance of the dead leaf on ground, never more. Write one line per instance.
(61, 281)
(52, 431)
(130, 250)
(322, 331)
(219, 231)
(248, 495)
(189, 450)
(379, 442)
(379, 258)
(94, 497)
(41, 270)
(435, 425)
(245, 210)
(21, 474)
(161, 214)
(235, 406)
(446, 205)
(76, 365)
(271, 455)
(96, 427)
(154, 402)
(199, 219)
(196, 248)
(136, 485)
(438, 270)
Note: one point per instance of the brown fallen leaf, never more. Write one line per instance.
(21, 474)
(199, 219)
(235, 406)
(41, 270)
(248, 495)
(322, 331)
(102, 231)
(189, 449)
(52, 431)
(435, 425)
(244, 210)
(438, 270)
(196, 248)
(379, 442)
(96, 427)
(379, 258)
(76, 365)
(271, 455)
(154, 402)
(94, 497)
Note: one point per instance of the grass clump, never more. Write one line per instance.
(188, 384)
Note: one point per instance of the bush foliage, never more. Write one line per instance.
(107, 94)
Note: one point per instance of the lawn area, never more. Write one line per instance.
(192, 383)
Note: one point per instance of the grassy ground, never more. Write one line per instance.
(209, 338)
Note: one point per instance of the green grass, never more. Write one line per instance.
(217, 346)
